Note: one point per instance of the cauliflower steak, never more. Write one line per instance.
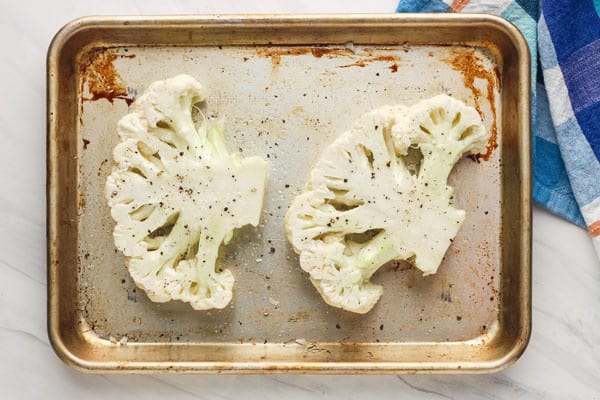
(365, 205)
(176, 195)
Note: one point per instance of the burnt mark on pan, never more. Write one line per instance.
(81, 206)
(466, 61)
(299, 316)
(275, 53)
(100, 77)
(446, 296)
(383, 58)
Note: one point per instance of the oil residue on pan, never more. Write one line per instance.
(465, 61)
(103, 80)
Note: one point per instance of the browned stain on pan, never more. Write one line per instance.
(316, 51)
(368, 60)
(465, 61)
(299, 316)
(103, 81)
(329, 52)
(275, 53)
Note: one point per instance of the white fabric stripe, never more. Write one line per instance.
(545, 45)
(591, 211)
(560, 106)
(487, 6)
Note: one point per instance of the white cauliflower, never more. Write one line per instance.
(177, 195)
(365, 205)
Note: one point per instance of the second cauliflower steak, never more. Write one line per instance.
(363, 206)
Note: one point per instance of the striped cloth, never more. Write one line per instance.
(565, 97)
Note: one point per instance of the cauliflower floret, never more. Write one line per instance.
(365, 205)
(177, 195)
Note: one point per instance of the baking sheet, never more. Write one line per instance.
(285, 102)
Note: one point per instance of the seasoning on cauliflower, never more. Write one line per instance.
(177, 194)
(365, 205)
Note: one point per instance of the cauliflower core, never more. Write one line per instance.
(380, 193)
(177, 195)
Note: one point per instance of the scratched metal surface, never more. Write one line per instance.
(286, 108)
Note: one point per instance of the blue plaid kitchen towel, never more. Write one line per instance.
(565, 97)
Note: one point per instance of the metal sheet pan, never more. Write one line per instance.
(287, 86)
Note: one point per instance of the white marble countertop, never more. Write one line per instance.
(562, 360)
